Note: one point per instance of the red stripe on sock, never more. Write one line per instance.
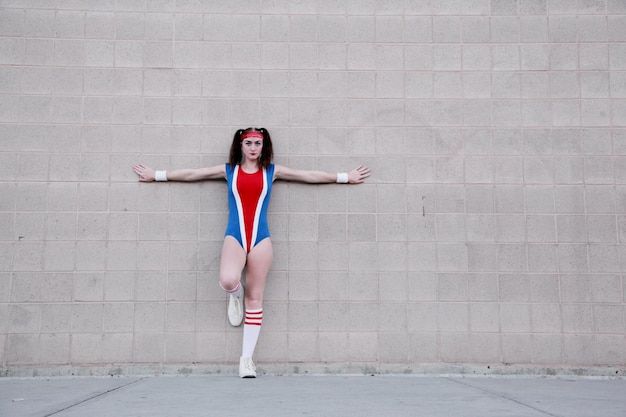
(254, 318)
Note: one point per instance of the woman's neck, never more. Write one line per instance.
(250, 166)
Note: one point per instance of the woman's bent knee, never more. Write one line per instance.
(229, 283)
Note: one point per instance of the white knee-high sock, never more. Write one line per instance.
(251, 330)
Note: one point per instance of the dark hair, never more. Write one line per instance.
(267, 153)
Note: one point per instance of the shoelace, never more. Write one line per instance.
(249, 364)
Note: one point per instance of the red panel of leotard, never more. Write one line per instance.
(250, 187)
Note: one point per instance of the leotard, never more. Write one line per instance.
(248, 199)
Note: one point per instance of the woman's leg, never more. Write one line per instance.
(231, 266)
(257, 268)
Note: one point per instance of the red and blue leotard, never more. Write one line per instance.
(248, 199)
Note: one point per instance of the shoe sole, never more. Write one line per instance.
(236, 324)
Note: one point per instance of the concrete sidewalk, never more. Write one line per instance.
(325, 396)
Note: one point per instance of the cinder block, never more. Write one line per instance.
(117, 347)
(394, 347)
(59, 256)
(483, 287)
(485, 348)
(149, 317)
(181, 286)
(87, 318)
(484, 318)
(333, 286)
(609, 319)
(303, 345)
(23, 257)
(577, 318)
(101, 25)
(181, 317)
(303, 286)
(545, 318)
(541, 228)
(392, 256)
(55, 349)
(39, 23)
(130, 25)
(364, 346)
(303, 256)
(362, 286)
(533, 29)
(423, 348)
(119, 286)
(575, 348)
(476, 57)
(12, 51)
(452, 257)
(180, 347)
(128, 53)
(158, 26)
(56, 318)
(360, 29)
(333, 346)
(453, 347)
(505, 57)
(392, 317)
(333, 317)
(303, 317)
(363, 317)
(211, 317)
(121, 256)
(149, 347)
(118, 318)
(512, 257)
(88, 287)
(24, 318)
(22, 349)
(608, 349)
(453, 287)
(12, 22)
(453, 317)
(542, 258)
(516, 348)
(333, 257)
(547, 348)
(603, 257)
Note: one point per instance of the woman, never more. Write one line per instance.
(249, 174)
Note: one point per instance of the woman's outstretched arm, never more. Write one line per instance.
(356, 176)
(147, 174)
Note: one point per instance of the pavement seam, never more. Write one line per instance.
(499, 394)
(94, 397)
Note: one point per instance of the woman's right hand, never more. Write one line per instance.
(146, 174)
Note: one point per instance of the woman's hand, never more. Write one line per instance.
(146, 174)
(358, 174)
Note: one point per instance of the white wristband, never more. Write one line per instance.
(160, 175)
(342, 178)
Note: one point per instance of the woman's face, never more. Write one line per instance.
(251, 148)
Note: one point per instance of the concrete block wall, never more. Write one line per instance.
(490, 233)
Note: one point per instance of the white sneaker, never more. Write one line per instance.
(247, 368)
(235, 310)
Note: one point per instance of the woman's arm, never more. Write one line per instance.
(356, 176)
(147, 174)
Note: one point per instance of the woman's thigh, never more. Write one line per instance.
(232, 263)
(258, 266)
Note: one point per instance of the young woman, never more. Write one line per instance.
(249, 174)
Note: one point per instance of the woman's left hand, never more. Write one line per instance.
(358, 174)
